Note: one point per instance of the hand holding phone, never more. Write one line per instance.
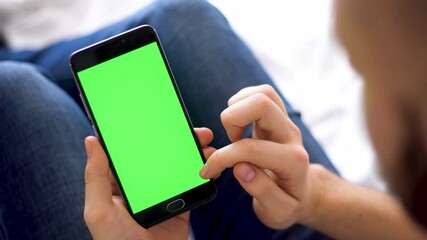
(106, 215)
(136, 110)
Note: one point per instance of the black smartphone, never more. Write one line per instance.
(135, 107)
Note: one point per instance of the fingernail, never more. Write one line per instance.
(204, 171)
(246, 172)
(88, 147)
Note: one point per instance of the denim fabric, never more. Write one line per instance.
(42, 158)
(210, 64)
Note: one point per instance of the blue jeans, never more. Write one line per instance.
(210, 64)
(42, 157)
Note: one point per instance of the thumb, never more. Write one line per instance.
(272, 205)
(98, 187)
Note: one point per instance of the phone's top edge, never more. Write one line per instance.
(122, 42)
(77, 52)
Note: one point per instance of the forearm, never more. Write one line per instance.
(348, 211)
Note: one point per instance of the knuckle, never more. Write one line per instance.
(88, 175)
(319, 167)
(225, 117)
(230, 101)
(279, 218)
(94, 215)
(268, 189)
(279, 222)
(218, 162)
(251, 146)
(272, 94)
(268, 90)
(262, 104)
(295, 130)
(300, 155)
(262, 100)
(286, 218)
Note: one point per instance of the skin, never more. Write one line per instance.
(272, 166)
(105, 213)
(385, 40)
(389, 51)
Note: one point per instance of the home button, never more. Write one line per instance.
(176, 205)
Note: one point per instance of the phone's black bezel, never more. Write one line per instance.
(114, 47)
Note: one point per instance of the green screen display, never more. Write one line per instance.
(143, 126)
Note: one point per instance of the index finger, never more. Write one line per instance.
(264, 89)
(260, 109)
(288, 162)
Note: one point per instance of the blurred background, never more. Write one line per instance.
(293, 40)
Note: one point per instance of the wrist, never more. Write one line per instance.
(322, 184)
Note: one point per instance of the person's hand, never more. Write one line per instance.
(273, 165)
(105, 213)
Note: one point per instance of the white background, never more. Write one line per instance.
(294, 40)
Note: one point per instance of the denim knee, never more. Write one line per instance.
(186, 7)
(16, 80)
(29, 99)
(184, 14)
(25, 89)
(13, 74)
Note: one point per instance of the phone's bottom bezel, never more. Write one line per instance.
(192, 199)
